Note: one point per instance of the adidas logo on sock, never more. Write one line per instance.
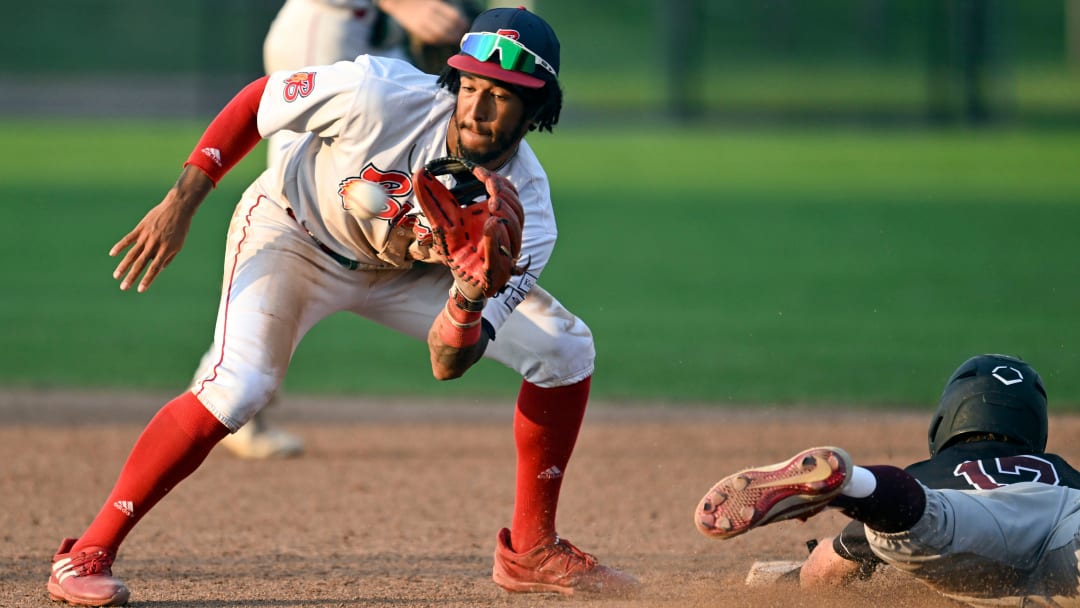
(552, 472)
(126, 507)
(213, 154)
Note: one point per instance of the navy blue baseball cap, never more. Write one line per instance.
(512, 45)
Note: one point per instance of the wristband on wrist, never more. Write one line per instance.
(461, 301)
(458, 328)
(463, 320)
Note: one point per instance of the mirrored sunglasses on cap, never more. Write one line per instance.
(513, 55)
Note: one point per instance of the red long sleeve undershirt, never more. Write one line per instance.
(233, 133)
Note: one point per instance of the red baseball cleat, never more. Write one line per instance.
(797, 488)
(85, 578)
(559, 567)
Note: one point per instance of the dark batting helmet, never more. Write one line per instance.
(992, 394)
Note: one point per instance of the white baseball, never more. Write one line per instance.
(364, 200)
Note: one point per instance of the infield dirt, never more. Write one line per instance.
(397, 503)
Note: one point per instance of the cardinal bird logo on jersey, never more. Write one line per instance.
(300, 84)
(396, 184)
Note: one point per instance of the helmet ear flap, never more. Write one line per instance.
(934, 425)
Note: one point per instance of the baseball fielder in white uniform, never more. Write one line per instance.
(321, 32)
(295, 255)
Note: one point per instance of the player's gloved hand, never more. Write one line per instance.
(476, 225)
(160, 235)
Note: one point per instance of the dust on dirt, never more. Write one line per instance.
(397, 503)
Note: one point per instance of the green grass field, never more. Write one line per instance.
(715, 265)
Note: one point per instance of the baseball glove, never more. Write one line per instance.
(476, 224)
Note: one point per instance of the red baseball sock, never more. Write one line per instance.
(172, 446)
(546, 425)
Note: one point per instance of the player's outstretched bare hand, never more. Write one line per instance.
(160, 235)
(479, 239)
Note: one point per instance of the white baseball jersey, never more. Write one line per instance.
(379, 120)
(294, 255)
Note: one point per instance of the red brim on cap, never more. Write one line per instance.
(492, 70)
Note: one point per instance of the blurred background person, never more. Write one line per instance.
(320, 32)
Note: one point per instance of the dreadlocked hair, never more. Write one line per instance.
(543, 104)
